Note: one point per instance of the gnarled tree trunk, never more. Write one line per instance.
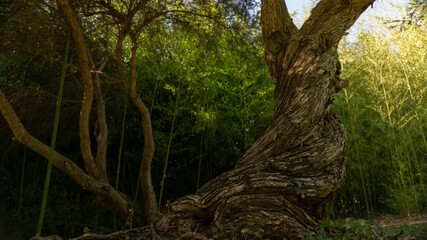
(284, 179)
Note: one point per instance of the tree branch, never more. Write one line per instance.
(275, 17)
(150, 203)
(85, 143)
(332, 18)
(109, 77)
(118, 202)
(102, 133)
(112, 11)
(278, 32)
(22, 136)
(121, 37)
(148, 21)
(93, 45)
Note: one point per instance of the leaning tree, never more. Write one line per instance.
(283, 180)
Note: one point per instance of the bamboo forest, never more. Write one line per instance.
(213, 119)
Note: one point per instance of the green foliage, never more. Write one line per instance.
(225, 100)
(384, 110)
(217, 229)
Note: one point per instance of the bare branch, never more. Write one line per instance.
(121, 204)
(132, 86)
(64, 164)
(109, 77)
(102, 133)
(22, 136)
(150, 203)
(85, 143)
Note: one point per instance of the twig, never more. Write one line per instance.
(153, 233)
(375, 233)
(397, 235)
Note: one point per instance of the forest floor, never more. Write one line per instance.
(395, 221)
(407, 227)
(384, 227)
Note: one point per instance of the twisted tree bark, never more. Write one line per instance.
(284, 179)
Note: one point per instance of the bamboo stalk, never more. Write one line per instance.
(21, 185)
(53, 142)
(169, 144)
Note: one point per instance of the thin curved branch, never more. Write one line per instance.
(83, 61)
(102, 129)
(74, 69)
(22, 136)
(109, 77)
(117, 199)
(150, 203)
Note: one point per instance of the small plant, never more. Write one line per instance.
(246, 231)
(86, 230)
(217, 229)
